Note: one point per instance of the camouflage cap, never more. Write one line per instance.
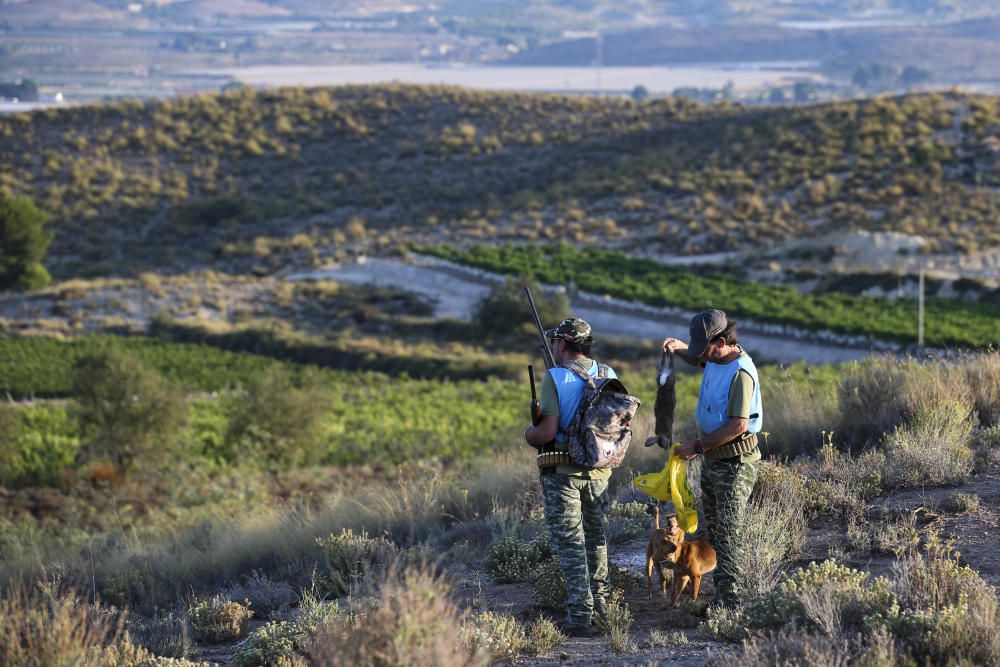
(572, 329)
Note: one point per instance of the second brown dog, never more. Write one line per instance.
(656, 550)
(689, 561)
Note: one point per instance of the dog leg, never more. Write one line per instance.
(695, 586)
(680, 583)
(649, 577)
(663, 581)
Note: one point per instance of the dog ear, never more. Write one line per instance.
(668, 546)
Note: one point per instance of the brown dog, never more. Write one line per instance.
(656, 550)
(689, 561)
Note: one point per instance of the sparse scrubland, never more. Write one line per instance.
(274, 473)
(250, 177)
(237, 541)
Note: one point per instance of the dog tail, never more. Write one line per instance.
(656, 518)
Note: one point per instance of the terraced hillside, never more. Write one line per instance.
(249, 173)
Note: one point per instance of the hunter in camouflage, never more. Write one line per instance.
(575, 496)
(729, 417)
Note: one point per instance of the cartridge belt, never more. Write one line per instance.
(552, 455)
(743, 444)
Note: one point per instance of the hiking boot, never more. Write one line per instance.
(574, 630)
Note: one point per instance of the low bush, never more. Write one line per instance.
(662, 639)
(510, 560)
(882, 537)
(167, 636)
(266, 595)
(947, 613)
(413, 622)
(932, 450)
(501, 636)
(351, 557)
(278, 642)
(932, 611)
(218, 620)
(549, 588)
(986, 445)
(771, 530)
(544, 636)
(126, 654)
(619, 623)
(834, 483)
(279, 418)
(959, 503)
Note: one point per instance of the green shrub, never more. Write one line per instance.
(351, 557)
(823, 596)
(794, 647)
(496, 314)
(881, 537)
(931, 451)
(126, 410)
(544, 636)
(961, 502)
(36, 445)
(271, 643)
(218, 620)
(500, 635)
(947, 613)
(619, 622)
(23, 244)
(280, 419)
(126, 654)
(510, 560)
(986, 445)
(549, 588)
(771, 530)
(661, 639)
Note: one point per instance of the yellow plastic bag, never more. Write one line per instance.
(671, 484)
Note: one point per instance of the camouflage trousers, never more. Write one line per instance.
(574, 512)
(725, 492)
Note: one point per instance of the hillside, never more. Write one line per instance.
(953, 52)
(196, 180)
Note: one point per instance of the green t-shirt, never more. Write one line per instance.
(550, 408)
(740, 400)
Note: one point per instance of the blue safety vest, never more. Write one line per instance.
(569, 390)
(713, 400)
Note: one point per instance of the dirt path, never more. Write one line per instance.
(456, 290)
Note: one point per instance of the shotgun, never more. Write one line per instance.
(547, 357)
(536, 406)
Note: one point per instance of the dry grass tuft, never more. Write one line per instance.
(932, 449)
(413, 622)
(44, 628)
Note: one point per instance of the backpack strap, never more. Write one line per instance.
(602, 371)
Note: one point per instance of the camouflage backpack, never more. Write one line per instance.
(599, 434)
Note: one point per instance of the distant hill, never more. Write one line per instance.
(968, 50)
(188, 180)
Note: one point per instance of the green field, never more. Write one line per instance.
(949, 323)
